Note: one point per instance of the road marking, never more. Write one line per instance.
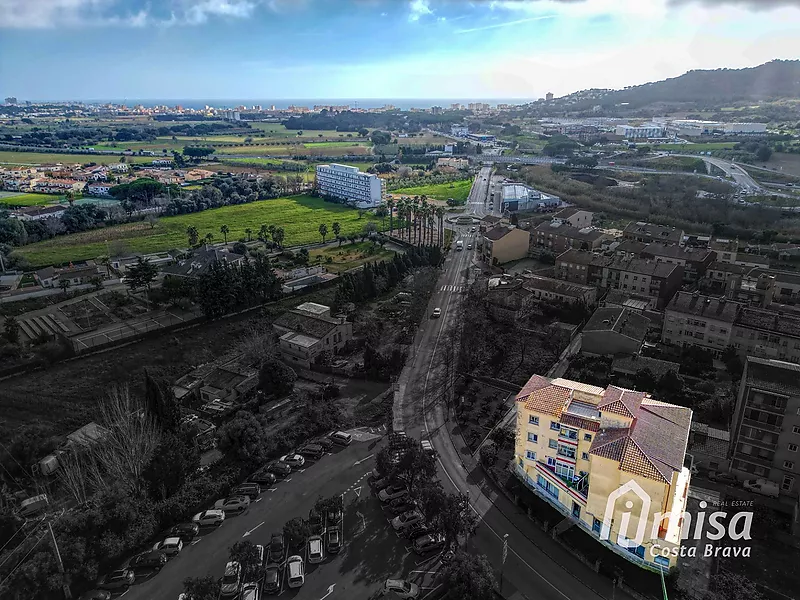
(358, 462)
(258, 500)
(246, 533)
(425, 572)
(123, 593)
(432, 590)
(288, 479)
(299, 471)
(330, 591)
(357, 492)
(197, 541)
(272, 489)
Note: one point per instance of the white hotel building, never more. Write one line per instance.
(364, 190)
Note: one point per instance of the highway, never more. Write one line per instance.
(537, 567)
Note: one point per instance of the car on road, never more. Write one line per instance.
(312, 451)
(341, 438)
(185, 531)
(400, 505)
(171, 546)
(151, 561)
(209, 518)
(406, 519)
(272, 578)
(416, 530)
(281, 469)
(721, 477)
(96, 595)
(263, 478)
(237, 504)
(333, 540)
(295, 571)
(430, 542)
(251, 490)
(762, 487)
(250, 591)
(119, 579)
(469, 246)
(231, 580)
(402, 589)
(277, 548)
(392, 493)
(437, 312)
(316, 554)
(427, 447)
(293, 460)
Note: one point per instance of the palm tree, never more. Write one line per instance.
(209, 238)
(390, 206)
(323, 231)
(336, 228)
(194, 235)
(263, 233)
(401, 210)
(440, 212)
(278, 236)
(224, 231)
(249, 233)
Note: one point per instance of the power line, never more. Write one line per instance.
(23, 559)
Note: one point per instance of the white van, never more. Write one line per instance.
(341, 438)
(296, 570)
(459, 245)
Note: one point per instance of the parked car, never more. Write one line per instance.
(152, 561)
(725, 478)
(392, 493)
(119, 579)
(333, 517)
(312, 451)
(763, 487)
(430, 542)
(341, 438)
(375, 475)
(209, 518)
(185, 531)
(381, 483)
(231, 580)
(416, 530)
(315, 521)
(171, 546)
(293, 460)
(427, 447)
(333, 539)
(281, 469)
(237, 504)
(316, 554)
(272, 578)
(326, 444)
(295, 571)
(251, 490)
(401, 505)
(250, 591)
(277, 548)
(96, 595)
(406, 519)
(263, 478)
(402, 589)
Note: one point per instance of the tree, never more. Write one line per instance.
(323, 231)
(410, 464)
(337, 229)
(209, 237)
(196, 153)
(450, 513)
(174, 460)
(488, 454)
(240, 248)
(141, 274)
(468, 576)
(194, 235)
(201, 588)
(11, 330)
(296, 532)
(224, 231)
(249, 233)
(763, 153)
(732, 586)
(64, 285)
(246, 554)
(278, 236)
(244, 436)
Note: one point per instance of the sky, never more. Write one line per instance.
(351, 49)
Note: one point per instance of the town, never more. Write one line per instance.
(455, 348)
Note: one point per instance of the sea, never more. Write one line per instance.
(401, 103)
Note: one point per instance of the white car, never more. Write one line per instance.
(392, 492)
(407, 519)
(294, 460)
(209, 518)
(233, 504)
(762, 486)
(295, 571)
(437, 312)
(402, 589)
(250, 591)
(170, 546)
(231, 580)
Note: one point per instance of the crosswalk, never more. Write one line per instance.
(452, 288)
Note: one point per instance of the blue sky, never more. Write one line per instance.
(275, 49)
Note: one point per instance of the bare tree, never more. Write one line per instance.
(259, 345)
(78, 468)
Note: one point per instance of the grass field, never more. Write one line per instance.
(348, 256)
(300, 216)
(458, 190)
(335, 144)
(27, 199)
(294, 149)
(46, 158)
(691, 148)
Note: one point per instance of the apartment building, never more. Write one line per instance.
(766, 425)
(579, 266)
(764, 333)
(576, 217)
(502, 244)
(595, 454)
(692, 319)
(650, 233)
(365, 190)
(558, 236)
(309, 330)
(726, 249)
(695, 261)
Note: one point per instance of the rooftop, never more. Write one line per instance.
(679, 252)
(620, 320)
(200, 261)
(583, 257)
(556, 286)
(566, 213)
(728, 268)
(643, 266)
(634, 363)
(698, 305)
(765, 320)
(773, 375)
(656, 232)
(498, 232)
(588, 234)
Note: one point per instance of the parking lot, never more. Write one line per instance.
(371, 551)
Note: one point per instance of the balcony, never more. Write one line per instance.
(568, 436)
(762, 425)
(770, 408)
(759, 442)
(762, 462)
(579, 484)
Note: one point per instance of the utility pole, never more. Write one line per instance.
(67, 592)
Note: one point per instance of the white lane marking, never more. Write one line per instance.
(431, 591)
(197, 541)
(272, 489)
(330, 591)
(357, 492)
(246, 533)
(358, 462)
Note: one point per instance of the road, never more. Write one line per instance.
(537, 567)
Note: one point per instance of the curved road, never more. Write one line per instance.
(537, 567)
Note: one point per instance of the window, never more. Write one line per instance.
(533, 420)
(585, 455)
(796, 429)
(532, 437)
(787, 464)
(530, 455)
(596, 525)
(552, 444)
(587, 437)
(792, 447)
(787, 484)
(555, 425)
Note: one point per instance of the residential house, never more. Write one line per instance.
(16, 185)
(649, 233)
(725, 249)
(692, 319)
(99, 189)
(694, 261)
(490, 221)
(558, 236)
(548, 289)
(719, 273)
(58, 186)
(652, 279)
(200, 261)
(631, 364)
(162, 162)
(580, 266)
(611, 331)
(79, 274)
(119, 167)
(577, 217)
(606, 459)
(502, 244)
(766, 424)
(709, 447)
(37, 213)
(309, 330)
(507, 299)
(228, 380)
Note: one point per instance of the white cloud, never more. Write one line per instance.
(44, 14)
(506, 24)
(419, 8)
(199, 12)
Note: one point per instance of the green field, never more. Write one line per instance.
(458, 190)
(46, 158)
(334, 149)
(335, 144)
(348, 256)
(692, 148)
(300, 216)
(28, 199)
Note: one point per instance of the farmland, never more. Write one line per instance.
(322, 148)
(458, 190)
(47, 158)
(300, 216)
(15, 200)
(348, 256)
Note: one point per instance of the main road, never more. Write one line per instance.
(536, 566)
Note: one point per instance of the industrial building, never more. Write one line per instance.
(364, 190)
(641, 132)
(517, 196)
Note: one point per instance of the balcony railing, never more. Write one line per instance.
(762, 425)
